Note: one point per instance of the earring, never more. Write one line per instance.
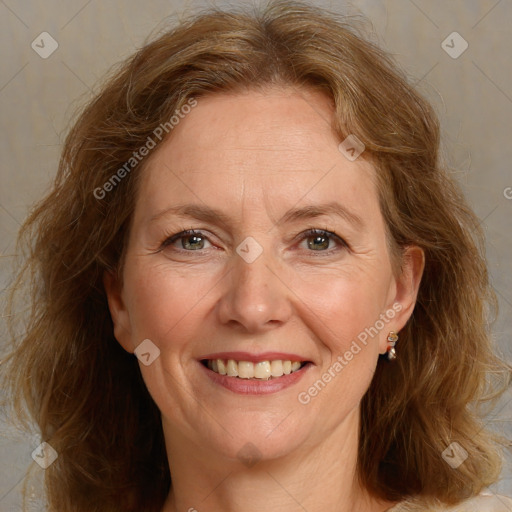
(392, 339)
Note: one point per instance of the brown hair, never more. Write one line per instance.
(86, 393)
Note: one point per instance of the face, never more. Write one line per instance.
(285, 260)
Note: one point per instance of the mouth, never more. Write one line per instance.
(260, 370)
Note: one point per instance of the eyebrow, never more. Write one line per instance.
(312, 211)
(208, 214)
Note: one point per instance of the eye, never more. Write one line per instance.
(321, 240)
(191, 240)
(317, 240)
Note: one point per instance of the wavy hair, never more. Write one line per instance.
(86, 394)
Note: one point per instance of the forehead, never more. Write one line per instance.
(273, 147)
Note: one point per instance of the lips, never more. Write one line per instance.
(255, 358)
(248, 373)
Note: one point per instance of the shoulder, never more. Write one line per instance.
(484, 503)
(481, 503)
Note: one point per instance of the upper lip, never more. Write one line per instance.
(255, 358)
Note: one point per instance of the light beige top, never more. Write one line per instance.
(482, 503)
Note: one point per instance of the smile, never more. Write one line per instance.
(262, 370)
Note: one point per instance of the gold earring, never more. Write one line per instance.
(392, 339)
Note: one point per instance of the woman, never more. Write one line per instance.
(255, 287)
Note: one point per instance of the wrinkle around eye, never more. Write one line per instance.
(171, 242)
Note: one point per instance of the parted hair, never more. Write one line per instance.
(66, 372)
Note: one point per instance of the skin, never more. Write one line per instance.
(254, 156)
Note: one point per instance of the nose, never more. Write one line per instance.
(254, 299)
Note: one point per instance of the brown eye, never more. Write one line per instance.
(190, 240)
(320, 240)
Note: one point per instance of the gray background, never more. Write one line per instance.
(472, 94)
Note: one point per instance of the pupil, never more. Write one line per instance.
(197, 239)
(323, 241)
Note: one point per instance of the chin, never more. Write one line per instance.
(250, 443)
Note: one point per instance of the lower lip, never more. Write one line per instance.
(254, 386)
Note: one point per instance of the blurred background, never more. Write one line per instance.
(54, 53)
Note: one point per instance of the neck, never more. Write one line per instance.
(315, 477)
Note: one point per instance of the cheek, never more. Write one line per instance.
(344, 309)
(343, 303)
(164, 302)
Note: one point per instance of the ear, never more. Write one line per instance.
(118, 311)
(403, 294)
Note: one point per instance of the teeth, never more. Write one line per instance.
(221, 367)
(276, 368)
(245, 370)
(262, 370)
(232, 368)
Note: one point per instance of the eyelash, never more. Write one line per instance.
(304, 235)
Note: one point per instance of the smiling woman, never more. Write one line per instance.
(283, 306)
